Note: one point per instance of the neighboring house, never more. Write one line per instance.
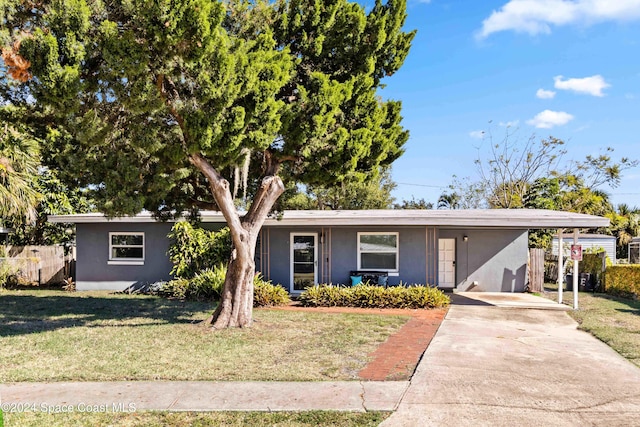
(482, 250)
(634, 251)
(587, 241)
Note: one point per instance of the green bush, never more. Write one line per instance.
(194, 249)
(8, 275)
(623, 280)
(176, 288)
(592, 263)
(266, 294)
(207, 284)
(371, 296)
(204, 286)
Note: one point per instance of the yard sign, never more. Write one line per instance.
(576, 252)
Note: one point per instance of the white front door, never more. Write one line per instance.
(304, 261)
(446, 263)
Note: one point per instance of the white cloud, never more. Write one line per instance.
(545, 94)
(537, 16)
(590, 85)
(548, 119)
(510, 124)
(477, 134)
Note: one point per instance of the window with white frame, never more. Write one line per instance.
(126, 248)
(378, 251)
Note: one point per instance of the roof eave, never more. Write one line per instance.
(445, 223)
(519, 219)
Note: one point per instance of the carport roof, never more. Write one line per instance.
(489, 218)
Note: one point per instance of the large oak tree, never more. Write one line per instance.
(168, 105)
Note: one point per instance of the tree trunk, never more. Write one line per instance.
(236, 302)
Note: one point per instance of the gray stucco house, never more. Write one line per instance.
(481, 250)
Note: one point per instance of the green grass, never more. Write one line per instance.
(97, 336)
(613, 320)
(184, 419)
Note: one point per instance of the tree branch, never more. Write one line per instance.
(222, 195)
(270, 189)
(160, 79)
(273, 161)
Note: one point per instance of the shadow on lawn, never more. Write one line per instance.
(633, 305)
(26, 314)
(635, 311)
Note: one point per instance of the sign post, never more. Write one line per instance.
(576, 256)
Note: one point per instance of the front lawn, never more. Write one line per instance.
(613, 320)
(97, 336)
(179, 419)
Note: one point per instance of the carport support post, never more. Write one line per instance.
(575, 272)
(560, 266)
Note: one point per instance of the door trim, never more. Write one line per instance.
(291, 259)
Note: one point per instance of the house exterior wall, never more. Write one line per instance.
(338, 253)
(411, 253)
(275, 264)
(93, 270)
(495, 259)
(491, 260)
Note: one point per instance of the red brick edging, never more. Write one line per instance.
(397, 358)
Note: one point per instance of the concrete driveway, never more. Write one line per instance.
(495, 363)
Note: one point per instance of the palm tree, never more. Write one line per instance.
(625, 225)
(449, 201)
(19, 160)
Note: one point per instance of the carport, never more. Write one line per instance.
(560, 221)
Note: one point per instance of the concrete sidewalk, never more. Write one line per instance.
(210, 395)
(495, 366)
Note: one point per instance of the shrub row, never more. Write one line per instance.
(371, 296)
(592, 262)
(207, 286)
(266, 294)
(623, 280)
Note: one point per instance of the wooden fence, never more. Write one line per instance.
(39, 264)
(551, 268)
(536, 270)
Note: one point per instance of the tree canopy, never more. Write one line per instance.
(372, 193)
(530, 174)
(413, 204)
(625, 225)
(162, 105)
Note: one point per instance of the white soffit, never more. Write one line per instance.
(498, 218)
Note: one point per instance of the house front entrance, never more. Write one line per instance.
(304, 261)
(446, 263)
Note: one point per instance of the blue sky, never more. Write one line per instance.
(568, 69)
